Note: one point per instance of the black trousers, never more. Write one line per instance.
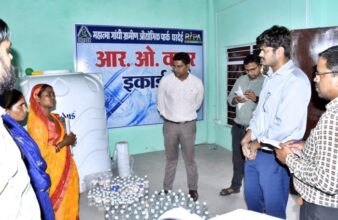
(238, 159)
(310, 211)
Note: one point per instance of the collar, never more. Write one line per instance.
(179, 79)
(282, 71)
(333, 104)
(255, 79)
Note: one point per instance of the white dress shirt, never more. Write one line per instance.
(281, 112)
(17, 198)
(179, 100)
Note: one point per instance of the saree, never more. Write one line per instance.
(35, 164)
(64, 190)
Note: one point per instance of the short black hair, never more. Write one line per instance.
(184, 57)
(331, 57)
(10, 98)
(275, 37)
(4, 31)
(252, 58)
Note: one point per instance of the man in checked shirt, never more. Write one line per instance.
(316, 168)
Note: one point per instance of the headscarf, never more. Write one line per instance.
(34, 105)
(36, 165)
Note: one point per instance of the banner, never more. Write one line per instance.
(132, 61)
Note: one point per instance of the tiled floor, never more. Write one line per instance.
(215, 172)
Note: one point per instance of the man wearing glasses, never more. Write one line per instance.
(180, 95)
(243, 96)
(316, 168)
(280, 116)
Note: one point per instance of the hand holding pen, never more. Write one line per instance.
(250, 94)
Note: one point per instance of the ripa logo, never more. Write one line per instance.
(191, 37)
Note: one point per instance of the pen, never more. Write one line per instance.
(297, 141)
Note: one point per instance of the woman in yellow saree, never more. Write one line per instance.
(48, 132)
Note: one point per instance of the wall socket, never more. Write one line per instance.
(217, 121)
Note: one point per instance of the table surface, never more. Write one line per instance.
(244, 214)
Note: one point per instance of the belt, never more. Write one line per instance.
(180, 122)
(265, 151)
(241, 126)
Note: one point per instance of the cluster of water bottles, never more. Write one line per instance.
(151, 207)
(109, 191)
(129, 199)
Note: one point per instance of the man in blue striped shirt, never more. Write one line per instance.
(280, 116)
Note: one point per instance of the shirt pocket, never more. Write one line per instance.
(270, 103)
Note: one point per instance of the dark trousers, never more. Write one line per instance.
(238, 159)
(184, 135)
(310, 211)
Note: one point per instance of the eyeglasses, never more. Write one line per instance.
(250, 70)
(323, 73)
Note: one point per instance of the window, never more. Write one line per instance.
(235, 69)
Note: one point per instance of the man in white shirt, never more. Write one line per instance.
(180, 95)
(280, 116)
(17, 198)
